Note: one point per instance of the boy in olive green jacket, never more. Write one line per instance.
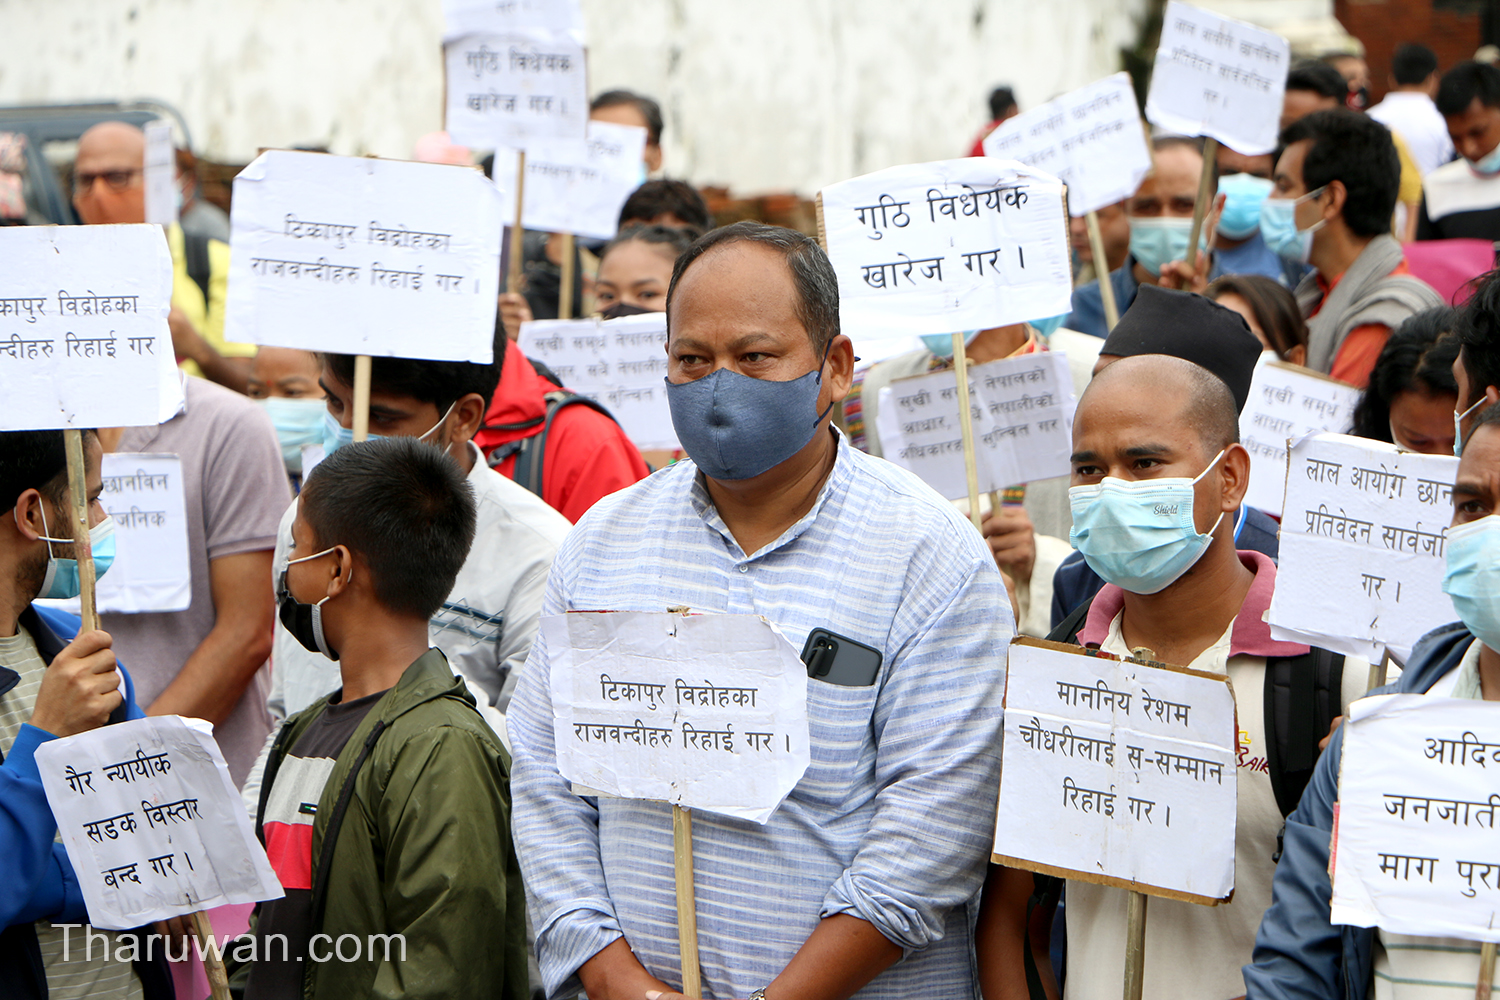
(385, 807)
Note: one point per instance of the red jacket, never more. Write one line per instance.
(588, 456)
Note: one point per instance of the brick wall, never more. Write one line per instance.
(1383, 25)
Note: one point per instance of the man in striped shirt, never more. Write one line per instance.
(861, 882)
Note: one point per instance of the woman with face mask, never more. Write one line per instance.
(635, 269)
(1412, 395)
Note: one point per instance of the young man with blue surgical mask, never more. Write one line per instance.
(1158, 473)
(1161, 222)
(1337, 178)
(1299, 951)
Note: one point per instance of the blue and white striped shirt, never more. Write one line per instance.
(894, 818)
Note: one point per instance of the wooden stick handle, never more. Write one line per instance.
(966, 426)
(213, 959)
(1486, 971)
(1101, 268)
(361, 397)
(687, 907)
(565, 293)
(517, 234)
(1206, 193)
(78, 512)
(1378, 671)
(1135, 946)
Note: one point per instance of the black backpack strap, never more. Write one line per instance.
(531, 452)
(195, 257)
(1067, 630)
(1302, 697)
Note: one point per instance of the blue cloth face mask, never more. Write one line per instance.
(1243, 194)
(736, 427)
(1278, 226)
(1155, 241)
(299, 423)
(335, 435)
(61, 581)
(1472, 577)
(1139, 535)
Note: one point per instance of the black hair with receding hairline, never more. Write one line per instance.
(817, 306)
(405, 507)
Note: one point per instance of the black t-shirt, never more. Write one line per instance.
(288, 826)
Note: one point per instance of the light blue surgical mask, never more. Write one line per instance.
(1243, 194)
(1139, 535)
(335, 435)
(1458, 426)
(61, 581)
(1156, 240)
(298, 422)
(1472, 577)
(1488, 165)
(1047, 327)
(941, 344)
(1278, 227)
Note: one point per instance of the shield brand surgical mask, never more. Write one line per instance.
(61, 580)
(1278, 227)
(1139, 535)
(1472, 577)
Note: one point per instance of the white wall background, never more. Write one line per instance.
(759, 95)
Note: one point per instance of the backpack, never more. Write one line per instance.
(1301, 699)
(531, 451)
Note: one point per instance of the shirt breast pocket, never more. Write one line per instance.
(840, 723)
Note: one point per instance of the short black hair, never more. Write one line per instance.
(1002, 99)
(1478, 329)
(1357, 150)
(405, 507)
(35, 460)
(441, 383)
(1413, 63)
(1417, 357)
(1318, 77)
(812, 274)
(672, 240)
(656, 198)
(1275, 308)
(649, 109)
(1465, 82)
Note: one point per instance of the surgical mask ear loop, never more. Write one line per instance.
(1220, 519)
(821, 365)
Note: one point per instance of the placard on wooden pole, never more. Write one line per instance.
(1206, 194)
(1101, 268)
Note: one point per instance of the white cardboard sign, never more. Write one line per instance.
(511, 87)
(356, 255)
(1215, 76)
(619, 363)
(704, 711)
(152, 821)
(1362, 546)
(462, 17)
(952, 245)
(1287, 402)
(83, 327)
(161, 174)
(1023, 423)
(151, 571)
(1414, 839)
(1118, 772)
(1093, 139)
(575, 186)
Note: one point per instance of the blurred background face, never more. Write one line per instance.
(1423, 421)
(109, 175)
(629, 114)
(285, 373)
(634, 274)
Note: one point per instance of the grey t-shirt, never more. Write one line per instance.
(236, 489)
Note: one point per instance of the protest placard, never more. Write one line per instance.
(152, 822)
(462, 17)
(952, 245)
(703, 711)
(83, 327)
(1092, 139)
(1118, 772)
(1362, 546)
(619, 363)
(1218, 77)
(575, 186)
(1414, 837)
(512, 86)
(357, 255)
(1023, 423)
(162, 194)
(1287, 402)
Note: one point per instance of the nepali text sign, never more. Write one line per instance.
(953, 245)
(619, 363)
(83, 327)
(512, 86)
(575, 186)
(1022, 410)
(1218, 77)
(462, 17)
(152, 821)
(1092, 139)
(1414, 841)
(1287, 402)
(704, 711)
(356, 255)
(1362, 546)
(1118, 772)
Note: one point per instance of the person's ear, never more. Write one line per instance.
(839, 372)
(27, 516)
(1234, 478)
(468, 415)
(1335, 196)
(652, 157)
(1492, 394)
(340, 571)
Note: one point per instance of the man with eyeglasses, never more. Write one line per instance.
(109, 187)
